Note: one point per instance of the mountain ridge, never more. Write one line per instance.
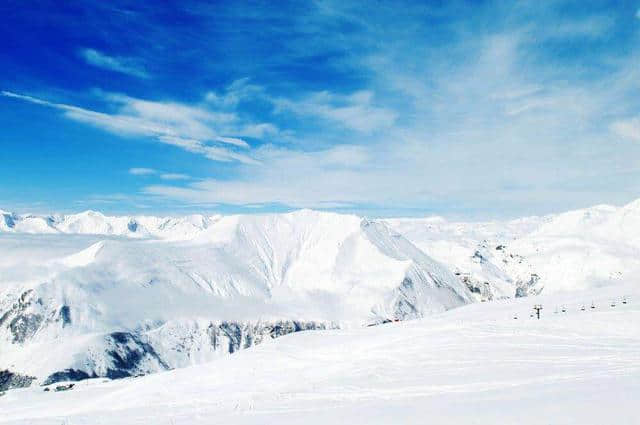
(119, 296)
(115, 306)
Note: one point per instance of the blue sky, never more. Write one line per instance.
(476, 109)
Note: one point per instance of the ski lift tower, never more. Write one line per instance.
(537, 308)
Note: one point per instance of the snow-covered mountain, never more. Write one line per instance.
(91, 295)
(576, 250)
(95, 223)
(75, 305)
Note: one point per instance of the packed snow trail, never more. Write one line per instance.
(474, 364)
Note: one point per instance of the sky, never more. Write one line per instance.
(479, 109)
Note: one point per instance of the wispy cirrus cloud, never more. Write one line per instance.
(355, 111)
(142, 171)
(514, 108)
(487, 124)
(238, 91)
(123, 65)
(338, 176)
(188, 127)
(174, 176)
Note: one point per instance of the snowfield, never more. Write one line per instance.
(331, 318)
(471, 365)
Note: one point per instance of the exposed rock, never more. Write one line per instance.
(527, 288)
(24, 317)
(233, 336)
(64, 387)
(9, 220)
(478, 257)
(481, 290)
(65, 315)
(132, 226)
(24, 326)
(68, 375)
(10, 380)
(129, 354)
(404, 307)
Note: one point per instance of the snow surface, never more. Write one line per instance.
(475, 364)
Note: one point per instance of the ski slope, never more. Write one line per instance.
(472, 365)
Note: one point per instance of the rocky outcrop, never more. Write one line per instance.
(7, 219)
(10, 380)
(233, 336)
(129, 355)
(68, 375)
(481, 290)
(28, 314)
(24, 317)
(528, 287)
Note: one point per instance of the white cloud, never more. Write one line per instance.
(142, 171)
(236, 92)
(487, 121)
(494, 133)
(122, 65)
(233, 141)
(356, 111)
(338, 176)
(174, 176)
(259, 130)
(194, 129)
(215, 153)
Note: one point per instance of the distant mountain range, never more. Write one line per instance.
(88, 295)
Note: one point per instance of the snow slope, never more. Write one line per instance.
(576, 250)
(80, 306)
(474, 364)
